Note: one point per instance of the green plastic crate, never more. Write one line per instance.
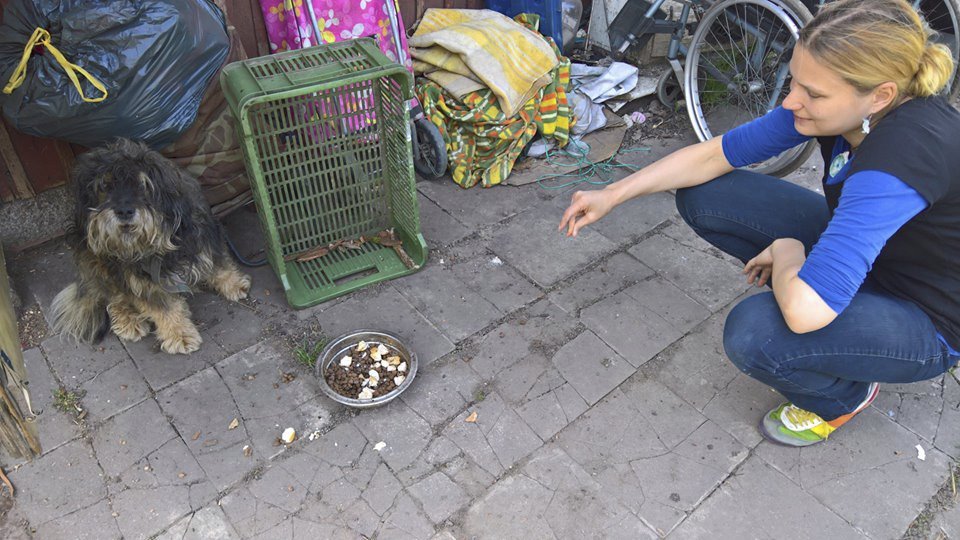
(326, 139)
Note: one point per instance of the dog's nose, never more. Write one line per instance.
(125, 213)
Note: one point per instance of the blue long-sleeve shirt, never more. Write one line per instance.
(873, 206)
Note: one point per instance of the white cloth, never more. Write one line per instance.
(602, 83)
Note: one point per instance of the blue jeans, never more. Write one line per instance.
(877, 338)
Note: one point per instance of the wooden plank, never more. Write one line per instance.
(47, 162)
(11, 159)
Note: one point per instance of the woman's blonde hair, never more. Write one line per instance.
(870, 42)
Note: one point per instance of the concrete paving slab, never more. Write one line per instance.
(208, 523)
(114, 391)
(130, 436)
(610, 432)
(264, 382)
(77, 363)
(638, 332)
(580, 507)
(727, 512)
(438, 227)
(394, 314)
(247, 516)
(635, 218)
(531, 377)
(514, 508)
(681, 479)
(440, 392)
(615, 274)
(142, 513)
(498, 283)
(382, 490)
(468, 475)
(161, 369)
(405, 433)
(739, 407)
(947, 439)
(340, 446)
(541, 329)
(233, 325)
(708, 280)
(40, 494)
(591, 367)
(871, 454)
(307, 418)
(94, 522)
(439, 496)
(695, 367)
(531, 243)
(54, 426)
(40, 274)
(405, 520)
(456, 310)
(478, 207)
(667, 416)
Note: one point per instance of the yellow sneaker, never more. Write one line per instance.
(792, 426)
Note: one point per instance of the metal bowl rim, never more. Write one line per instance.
(365, 403)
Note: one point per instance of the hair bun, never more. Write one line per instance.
(934, 71)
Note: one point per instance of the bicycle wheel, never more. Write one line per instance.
(943, 16)
(737, 69)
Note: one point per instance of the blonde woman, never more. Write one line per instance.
(865, 278)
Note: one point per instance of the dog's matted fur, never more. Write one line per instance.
(144, 235)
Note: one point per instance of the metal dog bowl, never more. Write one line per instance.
(339, 347)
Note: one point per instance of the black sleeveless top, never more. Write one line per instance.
(919, 143)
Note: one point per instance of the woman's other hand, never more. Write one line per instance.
(585, 208)
(759, 268)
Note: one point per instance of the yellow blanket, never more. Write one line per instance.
(465, 50)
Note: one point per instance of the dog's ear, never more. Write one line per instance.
(86, 179)
(173, 192)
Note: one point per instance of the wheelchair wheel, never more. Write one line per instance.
(669, 89)
(429, 150)
(943, 16)
(737, 69)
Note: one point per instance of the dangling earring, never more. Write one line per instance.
(865, 126)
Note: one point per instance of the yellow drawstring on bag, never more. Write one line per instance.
(42, 37)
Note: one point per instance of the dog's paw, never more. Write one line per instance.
(185, 343)
(130, 329)
(236, 288)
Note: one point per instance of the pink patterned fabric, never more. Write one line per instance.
(290, 25)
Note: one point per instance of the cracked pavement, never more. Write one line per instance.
(604, 405)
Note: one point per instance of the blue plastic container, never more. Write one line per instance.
(550, 12)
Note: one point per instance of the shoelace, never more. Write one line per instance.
(798, 419)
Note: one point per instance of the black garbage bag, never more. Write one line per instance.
(87, 72)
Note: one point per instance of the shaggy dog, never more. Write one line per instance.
(144, 235)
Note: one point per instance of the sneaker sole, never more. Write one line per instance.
(762, 428)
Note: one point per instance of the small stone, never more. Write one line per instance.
(289, 435)
(195, 436)
(398, 379)
(247, 451)
(233, 424)
(366, 393)
(382, 349)
(402, 366)
(346, 361)
(379, 446)
(290, 488)
(362, 346)
(374, 375)
(181, 475)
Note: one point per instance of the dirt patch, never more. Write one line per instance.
(945, 499)
(32, 327)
